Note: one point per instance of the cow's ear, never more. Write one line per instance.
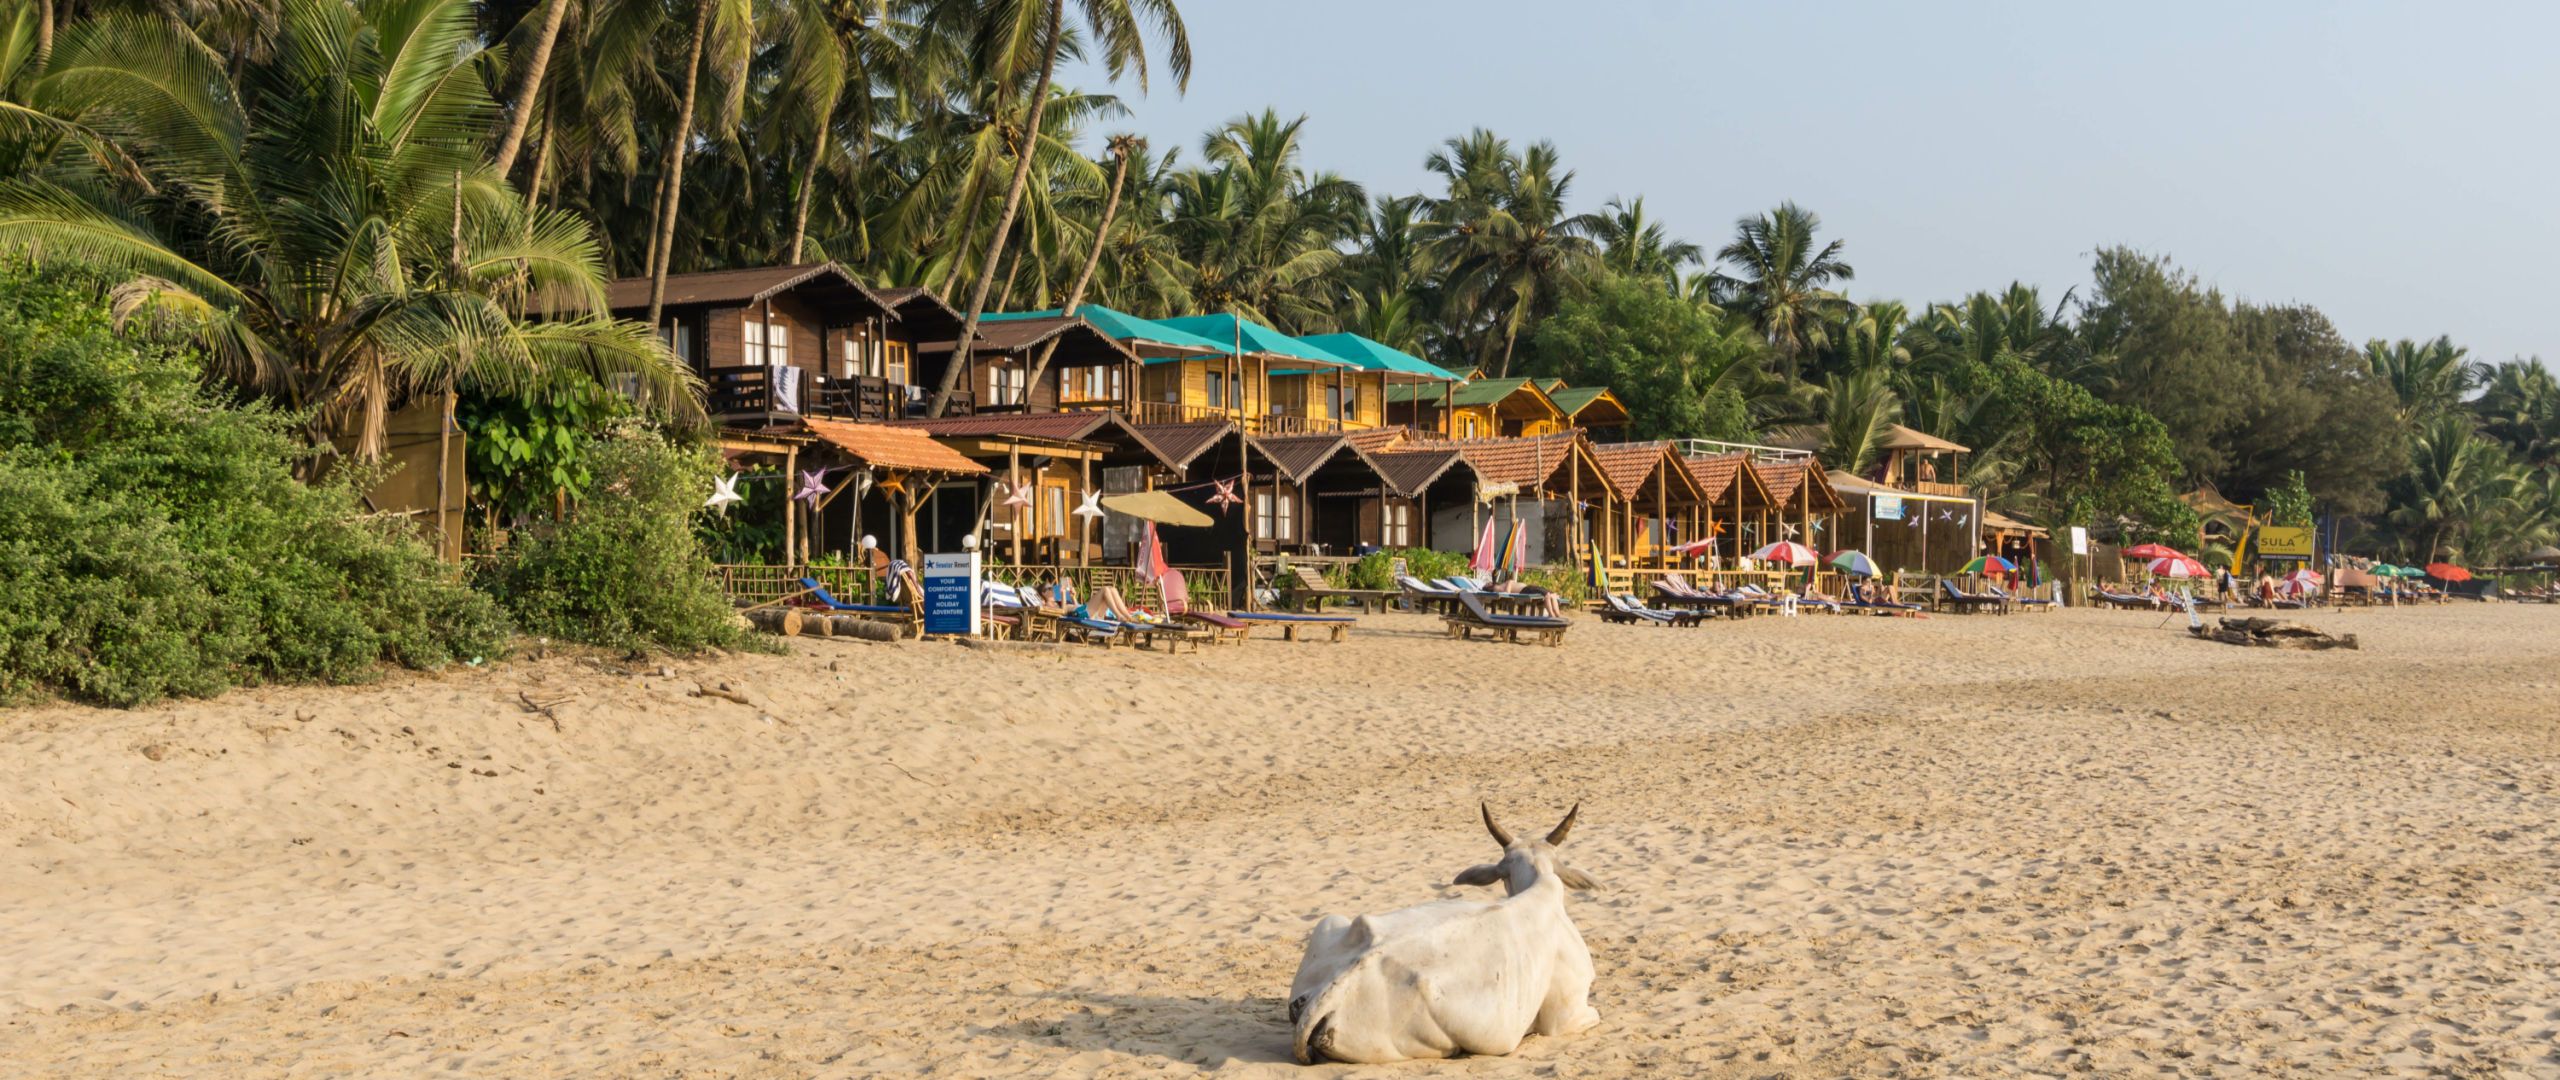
(1575, 879)
(1480, 874)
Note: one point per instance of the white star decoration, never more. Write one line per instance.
(1092, 505)
(1791, 530)
(724, 493)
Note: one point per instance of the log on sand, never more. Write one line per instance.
(776, 620)
(2272, 634)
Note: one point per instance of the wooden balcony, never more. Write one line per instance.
(744, 396)
(1289, 423)
(1933, 487)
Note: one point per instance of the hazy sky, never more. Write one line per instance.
(2393, 164)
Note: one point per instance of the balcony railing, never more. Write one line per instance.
(1284, 423)
(1934, 487)
(747, 393)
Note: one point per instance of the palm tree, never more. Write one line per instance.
(2428, 378)
(1633, 245)
(724, 29)
(2454, 478)
(1258, 236)
(1780, 278)
(2520, 406)
(337, 245)
(1013, 37)
(1501, 240)
(1851, 412)
(529, 85)
(1123, 147)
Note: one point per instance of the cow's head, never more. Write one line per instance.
(1525, 861)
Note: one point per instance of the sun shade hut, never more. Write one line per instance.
(905, 466)
(1557, 478)
(1060, 456)
(1738, 503)
(1659, 494)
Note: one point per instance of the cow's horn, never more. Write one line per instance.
(1499, 836)
(1565, 826)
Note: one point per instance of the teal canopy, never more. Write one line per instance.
(1374, 356)
(1146, 337)
(1257, 339)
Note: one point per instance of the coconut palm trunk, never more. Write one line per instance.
(1092, 259)
(663, 239)
(960, 348)
(513, 140)
(808, 194)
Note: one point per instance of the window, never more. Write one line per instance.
(896, 356)
(1262, 515)
(751, 335)
(1467, 427)
(1397, 530)
(853, 357)
(1287, 520)
(1333, 402)
(1053, 510)
(1218, 388)
(1006, 385)
(679, 339)
(767, 345)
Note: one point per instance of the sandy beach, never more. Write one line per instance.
(2038, 844)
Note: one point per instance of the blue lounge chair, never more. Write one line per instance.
(1420, 595)
(1627, 609)
(819, 597)
(1965, 601)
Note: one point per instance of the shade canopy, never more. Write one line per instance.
(1373, 355)
(2152, 551)
(1146, 337)
(2178, 566)
(2447, 572)
(2545, 554)
(1989, 564)
(1255, 340)
(1159, 507)
(1788, 553)
(1854, 563)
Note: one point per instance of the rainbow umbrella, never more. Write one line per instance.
(1787, 553)
(1854, 563)
(1989, 564)
(1515, 544)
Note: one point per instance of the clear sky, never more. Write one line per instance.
(2392, 164)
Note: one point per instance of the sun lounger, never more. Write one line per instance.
(1338, 626)
(1309, 591)
(2031, 603)
(1175, 592)
(1861, 601)
(909, 615)
(1473, 615)
(1949, 595)
(2122, 600)
(1141, 628)
(1621, 608)
(1420, 595)
(1034, 619)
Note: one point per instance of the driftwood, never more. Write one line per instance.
(785, 621)
(2272, 634)
(855, 627)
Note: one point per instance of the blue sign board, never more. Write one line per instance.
(951, 593)
(1888, 508)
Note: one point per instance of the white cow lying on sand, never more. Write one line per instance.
(1451, 976)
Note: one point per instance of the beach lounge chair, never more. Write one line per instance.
(1337, 626)
(2031, 603)
(1141, 628)
(1309, 591)
(1622, 608)
(1473, 615)
(909, 615)
(1863, 601)
(1033, 618)
(2110, 598)
(1949, 595)
(1175, 590)
(1420, 595)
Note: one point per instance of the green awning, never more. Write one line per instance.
(1257, 339)
(1148, 338)
(1374, 356)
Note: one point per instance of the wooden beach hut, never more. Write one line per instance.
(1659, 493)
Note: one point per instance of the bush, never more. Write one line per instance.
(154, 541)
(1375, 569)
(626, 569)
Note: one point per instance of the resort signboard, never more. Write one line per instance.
(1888, 508)
(951, 593)
(2284, 542)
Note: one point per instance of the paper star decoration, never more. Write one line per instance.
(1021, 497)
(1791, 529)
(1226, 495)
(1091, 506)
(812, 486)
(1946, 515)
(724, 493)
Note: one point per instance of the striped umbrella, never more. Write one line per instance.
(1483, 559)
(1515, 546)
(1854, 563)
(2304, 580)
(1787, 553)
(2180, 567)
(2152, 551)
(1989, 564)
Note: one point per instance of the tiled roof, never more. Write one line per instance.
(1783, 477)
(1409, 471)
(1715, 474)
(1076, 338)
(1065, 426)
(743, 286)
(1297, 455)
(891, 447)
(1527, 462)
(1627, 465)
(1178, 444)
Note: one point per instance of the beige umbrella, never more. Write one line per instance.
(1158, 507)
(2545, 554)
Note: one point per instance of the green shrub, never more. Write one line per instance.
(1569, 586)
(626, 569)
(154, 541)
(1375, 570)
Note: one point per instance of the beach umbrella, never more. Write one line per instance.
(2407, 572)
(1483, 560)
(1854, 563)
(1151, 564)
(2442, 571)
(1787, 553)
(2178, 567)
(1695, 548)
(1158, 506)
(2305, 580)
(1515, 549)
(1989, 564)
(2544, 554)
(2152, 551)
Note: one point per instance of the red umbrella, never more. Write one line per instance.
(2152, 551)
(2178, 566)
(2445, 571)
